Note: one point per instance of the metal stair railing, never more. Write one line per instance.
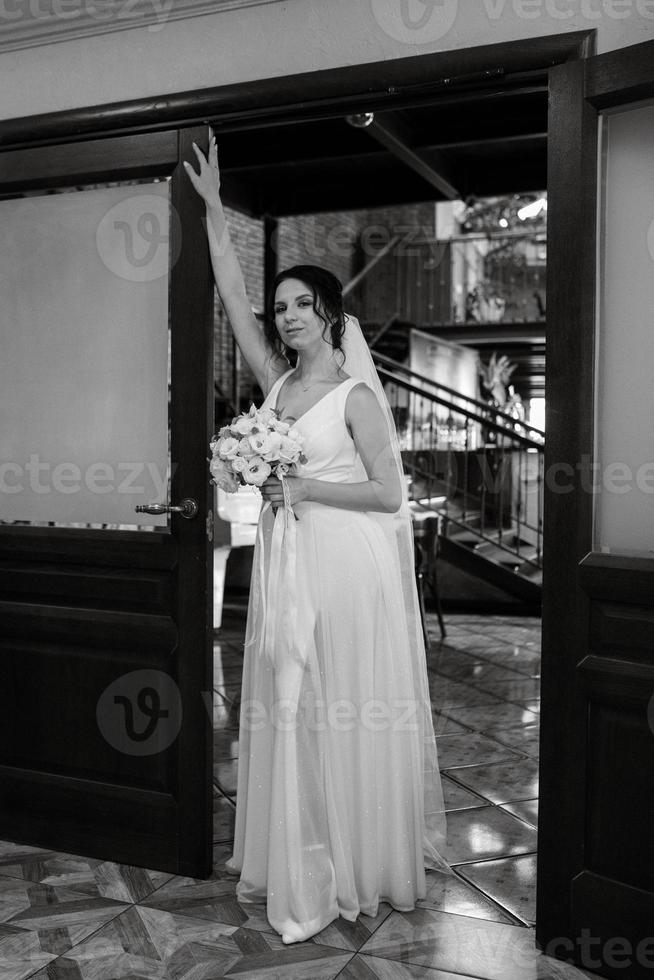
(478, 467)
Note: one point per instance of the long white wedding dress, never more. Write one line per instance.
(330, 816)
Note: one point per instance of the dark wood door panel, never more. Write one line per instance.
(614, 924)
(620, 771)
(91, 586)
(85, 817)
(105, 635)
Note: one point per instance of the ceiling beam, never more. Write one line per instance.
(345, 156)
(392, 135)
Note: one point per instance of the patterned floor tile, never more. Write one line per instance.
(59, 916)
(486, 832)
(502, 782)
(363, 967)
(471, 749)
(85, 876)
(21, 953)
(461, 945)
(353, 935)
(148, 942)
(448, 893)
(511, 881)
(215, 899)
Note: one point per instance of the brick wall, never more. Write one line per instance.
(341, 241)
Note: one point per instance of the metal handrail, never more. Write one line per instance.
(472, 416)
(486, 409)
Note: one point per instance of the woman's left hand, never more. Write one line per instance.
(272, 490)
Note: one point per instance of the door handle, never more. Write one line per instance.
(188, 508)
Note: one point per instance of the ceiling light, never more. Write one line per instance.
(361, 119)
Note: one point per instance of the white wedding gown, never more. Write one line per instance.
(330, 816)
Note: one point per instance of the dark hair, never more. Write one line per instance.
(327, 292)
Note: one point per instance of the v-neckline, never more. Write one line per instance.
(283, 378)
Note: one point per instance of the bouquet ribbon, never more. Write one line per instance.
(279, 594)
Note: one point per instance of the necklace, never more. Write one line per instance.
(312, 381)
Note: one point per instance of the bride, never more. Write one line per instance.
(339, 801)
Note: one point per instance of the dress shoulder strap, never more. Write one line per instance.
(347, 386)
(278, 382)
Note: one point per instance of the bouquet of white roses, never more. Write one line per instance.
(255, 445)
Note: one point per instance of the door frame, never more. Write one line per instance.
(382, 85)
(573, 575)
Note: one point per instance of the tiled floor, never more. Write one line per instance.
(65, 917)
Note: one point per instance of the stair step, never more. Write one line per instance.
(486, 566)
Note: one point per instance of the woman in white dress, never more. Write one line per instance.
(339, 801)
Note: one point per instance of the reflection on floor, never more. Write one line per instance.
(65, 917)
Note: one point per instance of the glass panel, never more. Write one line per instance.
(624, 476)
(84, 367)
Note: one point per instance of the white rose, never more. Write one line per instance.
(223, 476)
(228, 447)
(288, 450)
(257, 471)
(257, 440)
(244, 425)
(239, 464)
(245, 448)
(270, 446)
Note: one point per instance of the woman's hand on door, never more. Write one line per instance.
(207, 182)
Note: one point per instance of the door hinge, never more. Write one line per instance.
(210, 526)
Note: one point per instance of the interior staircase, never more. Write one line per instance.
(475, 478)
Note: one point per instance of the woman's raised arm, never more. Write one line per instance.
(264, 362)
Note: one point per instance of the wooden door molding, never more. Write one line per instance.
(594, 843)
(379, 85)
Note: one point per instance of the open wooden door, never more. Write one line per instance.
(106, 313)
(596, 821)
